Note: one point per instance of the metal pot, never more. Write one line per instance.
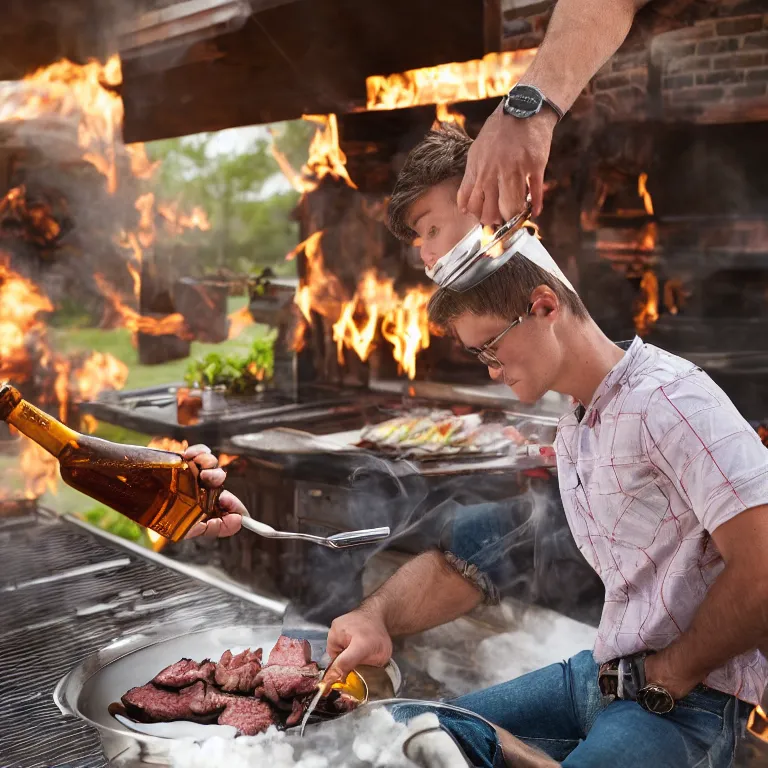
(103, 677)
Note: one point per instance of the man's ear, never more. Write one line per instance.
(544, 302)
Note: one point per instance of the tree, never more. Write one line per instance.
(248, 227)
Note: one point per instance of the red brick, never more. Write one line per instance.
(751, 91)
(724, 45)
(610, 82)
(678, 81)
(702, 93)
(678, 50)
(723, 77)
(688, 64)
(622, 62)
(740, 26)
(737, 60)
(757, 75)
(756, 41)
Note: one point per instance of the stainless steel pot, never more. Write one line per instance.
(103, 677)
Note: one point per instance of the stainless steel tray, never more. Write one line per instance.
(102, 678)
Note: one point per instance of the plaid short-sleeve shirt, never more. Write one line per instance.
(659, 459)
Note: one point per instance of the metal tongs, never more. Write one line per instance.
(470, 254)
(337, 541)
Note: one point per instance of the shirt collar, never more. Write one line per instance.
(608, 386)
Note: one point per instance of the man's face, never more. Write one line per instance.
(436, 219)
(529, 353)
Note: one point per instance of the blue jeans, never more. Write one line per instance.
(559, 710)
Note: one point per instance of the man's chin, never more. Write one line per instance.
(524, 394)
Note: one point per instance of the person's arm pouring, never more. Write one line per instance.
(510, 155)
(423, 594)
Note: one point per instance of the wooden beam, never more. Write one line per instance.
(301, 57)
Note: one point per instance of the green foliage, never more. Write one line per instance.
(238, 373)
(250, 224)
(109, 520)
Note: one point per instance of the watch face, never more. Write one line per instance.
(523, 101)
(655, 699)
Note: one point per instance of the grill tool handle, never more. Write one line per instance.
(338, 541)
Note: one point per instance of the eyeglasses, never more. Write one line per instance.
(486, 354)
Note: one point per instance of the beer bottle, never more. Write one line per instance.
(156, 489)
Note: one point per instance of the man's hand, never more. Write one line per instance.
(507, 158)
(359, 637)
(213, 476)
(657, 670)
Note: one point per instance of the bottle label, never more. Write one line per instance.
(34, 416)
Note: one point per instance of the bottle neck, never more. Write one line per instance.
(47, 432)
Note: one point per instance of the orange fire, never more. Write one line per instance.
(325, 157)
(493, 75)
(168, 325)
(168, 444)
(648, 305)
(176, 221)
(643, 192)
(38, 224)
(447, 113)
(757, 724)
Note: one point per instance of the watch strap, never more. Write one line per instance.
(551, 104)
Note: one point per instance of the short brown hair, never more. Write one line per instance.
(505, 293)
(440, 156)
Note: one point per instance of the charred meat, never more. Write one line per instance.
(150, 704)
(184, 673)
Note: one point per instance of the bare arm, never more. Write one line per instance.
(733, 617)
(510, 155)
(582, 35)
(424, 593)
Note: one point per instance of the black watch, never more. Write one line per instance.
(655, 699)
(525, 101)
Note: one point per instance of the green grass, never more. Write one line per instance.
(118, 343)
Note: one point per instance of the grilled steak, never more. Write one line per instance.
(250, 716)
(238, 673)
(150, 704)
(297, 711)
(277, 682)
(185, 672)
(289, 652)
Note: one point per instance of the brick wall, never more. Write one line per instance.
(524, 23)
(715, 71)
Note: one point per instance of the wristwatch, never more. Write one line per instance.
(525, 101)
(625, 679)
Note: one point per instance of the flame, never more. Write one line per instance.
(325, 157)
(643, 192)
(648, 312)
(40, 470)
(493, 75)
(168, 444)
(226, 458)
(35, 219)
(447, 113)
(156, 541)
(675, 295)
(176, 221)
(406, 327)
(239, 321)
(100, 371)
(757, 724)
(168, 325)
(648, 237)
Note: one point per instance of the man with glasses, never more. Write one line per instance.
(665, 488)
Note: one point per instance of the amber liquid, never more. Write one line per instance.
(156, 489)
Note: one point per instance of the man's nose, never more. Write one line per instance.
(497, 374)
(428, 256)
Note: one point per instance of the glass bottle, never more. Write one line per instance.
(156, 489)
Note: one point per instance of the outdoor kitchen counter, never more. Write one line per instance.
(63, 595)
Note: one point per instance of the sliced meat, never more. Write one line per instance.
(238, 673)
(185, 672)
(250, 716)
(345, 702)
(297, 711)
(286, 682)
(289, 652)
(150, 704)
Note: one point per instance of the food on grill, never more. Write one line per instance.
(185, 672)
(442, 432)
(238, 673)
(237, 691)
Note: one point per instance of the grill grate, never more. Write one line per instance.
(46, 628)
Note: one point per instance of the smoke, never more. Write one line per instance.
(510, 526)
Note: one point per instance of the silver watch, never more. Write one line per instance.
(525, 101)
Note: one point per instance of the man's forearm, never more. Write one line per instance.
(732, 619)
(424, 593)
(582, 35)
